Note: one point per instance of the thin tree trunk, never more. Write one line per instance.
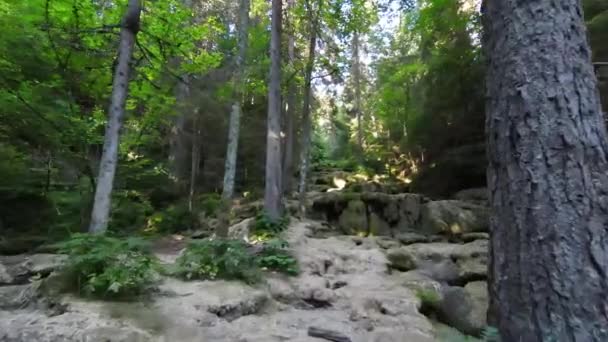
(291, 105)
(272, 191)
(195, 160)
(306, 120)
(357, 80)
(548, 155)
(109, 158)
(235, 114)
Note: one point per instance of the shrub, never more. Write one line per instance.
(275, 257)
(175, 218)
(210, 204)
(100, 265)
(264, 228)
(217, 259)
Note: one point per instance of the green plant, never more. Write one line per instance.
(217, 259)
(490, 334)
(429, 299)
(100, 265)
(275, 257)
(174, 218)
(264, 228)
(210, 204)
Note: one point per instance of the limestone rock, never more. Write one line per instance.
(240, 231)
(441, 259)
(454, 217)
(353, 219)
(18, 269)
(476, 195)
(465, 308)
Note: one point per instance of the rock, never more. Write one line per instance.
(465, 309)
(468, 237)
(314, 291)
(437, 259)
(18, 269)
(68, 327)
(378, 226)
(401, 259)
(408, 238)
(399, 335)
(329, 335)
(14, 297)
(478, 292)
(475, 195)
(240, 231)
(353, 220)
(386, 242)
(231, 309)
(454, 217)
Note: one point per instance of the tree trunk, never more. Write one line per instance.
(547, 149)
(235, 115)
(357, 80)
(109, 158)
(306, 120)
(291, 105)
(272, 191)
(195, 160)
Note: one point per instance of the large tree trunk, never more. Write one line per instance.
(547, 149)
(306, 120)
(109, 158)
(291, 104)
(272, 191)
(235, 115)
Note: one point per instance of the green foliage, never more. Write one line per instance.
(275, 256)
(264, 228)
(175, 218)
(104, 266)
(428, 297)
(218, 259)
(209, 204)
(130, 210)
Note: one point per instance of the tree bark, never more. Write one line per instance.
(547, 149)
(291, 105)
(306, 119)
(109, 158)
(195, 160)
(235, 114)
(272, 191)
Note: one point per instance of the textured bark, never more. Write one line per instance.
(290, 112)
(109, 158)
(547, 178)
(235, 114)
(178, 140)
(306, 120)
(272, 191)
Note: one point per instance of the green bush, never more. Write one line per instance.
(130, 210)
(175, 218)
(276, 257)
(217, 259)
(264, 228)
(104, 266)
(210, 204)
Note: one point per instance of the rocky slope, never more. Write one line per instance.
(375, 267)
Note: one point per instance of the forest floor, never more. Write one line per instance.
(345, 292)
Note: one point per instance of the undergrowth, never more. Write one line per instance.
(234, 260)
(265, 229)
(217, 259)
(105, 266)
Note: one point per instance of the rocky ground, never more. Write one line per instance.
(391, 267)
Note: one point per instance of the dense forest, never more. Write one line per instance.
(126, 124)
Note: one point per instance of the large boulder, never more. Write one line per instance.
(372, 213)
(454, 217)
(465, 308)
(453, 263)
